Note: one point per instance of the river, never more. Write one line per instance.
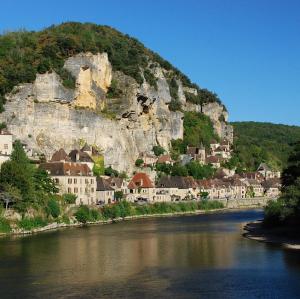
(201, 256)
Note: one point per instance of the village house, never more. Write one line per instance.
(272, 187)
(253, 176)
(80, 156)
(197, 153)
(165, 159)
(254, 188)
(214, 145)
(105, 194)
(214, 161)
(149, 159)
(118, 184)
(267, 172)
(141, 187)
(75, 178)
(6, 145)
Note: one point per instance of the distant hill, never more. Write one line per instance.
(257, 142)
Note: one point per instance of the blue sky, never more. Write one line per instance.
(248, 52)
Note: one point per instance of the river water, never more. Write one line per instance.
(203, 256)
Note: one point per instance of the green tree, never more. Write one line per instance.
(179, 170)
(139, 162)
(43, 182)
(158, 150)
(118, 195)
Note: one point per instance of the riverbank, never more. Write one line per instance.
(287, 237)
(57, 225)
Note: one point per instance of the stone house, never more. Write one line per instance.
(104, 193)
(214, 144)
(165, 159)
(197, 153)
(267, 172)
(215, 161)
(272, 187)
(75, 178)
(79, 156)
(254, 188)
(118, 184)
(141, 187)
(6, 146)
(149, 159)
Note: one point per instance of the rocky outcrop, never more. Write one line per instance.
(47, 116)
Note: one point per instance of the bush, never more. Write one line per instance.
(273, 212)
(4, 226)
(158, 150)
(84, 214)
(31, 223)
(139, 162)
(53, 208)
(69, 198)
(175, 105)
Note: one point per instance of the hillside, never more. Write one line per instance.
(257, 142)
(76, 83)
(23, 54)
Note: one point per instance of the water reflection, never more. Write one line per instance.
(154, 257)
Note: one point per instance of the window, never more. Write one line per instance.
(92, 189)
(92, 181)
(75, 190)
(56, 181)
(75, 181)
(69, 190)
(6, 146)
(69, 181)
(86, 181)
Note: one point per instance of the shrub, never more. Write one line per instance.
(69, 198)
(83, 214)
(4, 226)
(139, 162)
(175, 105)
(158, 150)
(118, 195)
(53, 208)
(150, 78)
(31, 223)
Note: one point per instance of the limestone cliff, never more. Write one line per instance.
(46, 115)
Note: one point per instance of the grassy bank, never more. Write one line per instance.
(84, 214)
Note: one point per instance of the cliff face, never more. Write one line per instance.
(46, 115)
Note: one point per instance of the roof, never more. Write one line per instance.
(5, 132)
(77, 155)
(176, 182)
(271, 183)
(59, 156)
(140, 180)
(114, 180)
(66, 169)
(86, 148)
(213, 159)
(103, 185)
(264, 167)
(164, 159)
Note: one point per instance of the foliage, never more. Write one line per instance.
(118, 195)
(31, 223)
(53, 208)
(164, 168)
(24, 54)
(19, 173)
(158, 150)
(4, 225)
(286, 210)
(98, 168)
(263, 142)
(203, 96)
(198, 171)
(150, 78)
(85, 214)
(69, 198)
(179, 170)
(113, 90)
(10, 194)
(139, 162)
(109, 171)
(173, 87)
(175, 105)
(43, 182)
(198, 129)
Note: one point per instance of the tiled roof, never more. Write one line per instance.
(213, 159)
(176, 182)
(271, 183)
(103, 185)
(86, 148)
(66, 169)
(164, 159)
(140, 180)
(60, 155)
(117, 181)
(81, 156)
